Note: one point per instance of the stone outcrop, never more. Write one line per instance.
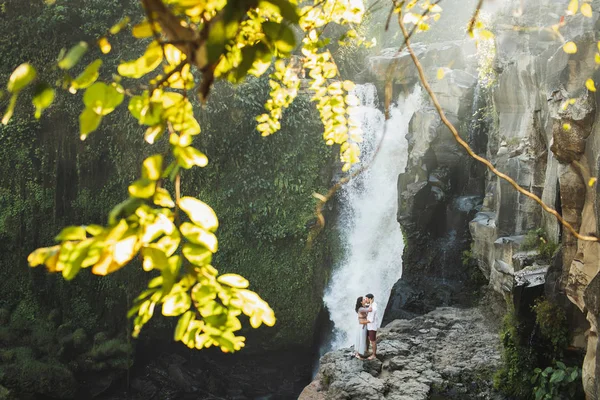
(448, 352)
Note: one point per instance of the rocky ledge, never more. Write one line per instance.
(449, 353)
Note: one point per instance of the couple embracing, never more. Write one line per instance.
(366, 308)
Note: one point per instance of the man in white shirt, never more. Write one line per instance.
(372, 325)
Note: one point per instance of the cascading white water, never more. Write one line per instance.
(371, 237)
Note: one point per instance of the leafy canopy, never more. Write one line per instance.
(190, 44)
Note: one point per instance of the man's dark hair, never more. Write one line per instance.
(370, 296)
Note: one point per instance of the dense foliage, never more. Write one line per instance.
(223, 41)
(533, 356)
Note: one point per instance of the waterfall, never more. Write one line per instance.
(370, 235)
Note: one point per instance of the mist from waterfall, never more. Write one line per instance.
(371, 237)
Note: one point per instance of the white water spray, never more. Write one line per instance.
(371, 237)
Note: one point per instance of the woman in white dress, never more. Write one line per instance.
(360, 344)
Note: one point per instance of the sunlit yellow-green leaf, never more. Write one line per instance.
(586, 10)
(154, 133)
(21, 77)
(197, 255)
(197, 235)
(102, 98)
(566, 127)
(42, 98)
(73, 56)
(10, 109)
(176, 304)
(199, 212)
(589, 84)
(234, 280)
(88, 122)
(597, 58)
(280, 35)
(145, 111)
(144, 30)
(142, 188)
(592, 181)
(573, 7)
(104, 45)
(71, 233)
(94, 230)
(189, 156)
(183, 324)
(125, 250)
(152, 167)
(116, 28)
(162, 198)
(485, 34)
(39, 256)
(87, 77)
(146, 63)
(570, 48)
(153, 258)
(201, 293)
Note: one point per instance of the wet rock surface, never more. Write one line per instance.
(449, 353)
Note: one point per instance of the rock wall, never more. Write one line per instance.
(535, 121)
(546, 138)
(441, 190)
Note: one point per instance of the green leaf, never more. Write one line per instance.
(574, 375)
(21, 77)
(197, 255)
(154, 258)
(146, 63)
(152, 167)
(162, 198)
(201, 293)
(116, 28)
(76, 257)
(189, 156)
(154, 133)
(73, 56)
(94, 230)
(176, 304)
(10, 109)
(145, 111)
(183, 324)
(102, 98)
(199, 212)
(199, 236)
(557, 376)
(281, 36)
(88, 122)
(42, 98)
(87, 77)
(561, 365)
(71, 233)
(262, 60)
(285, 8)
(234, 280)
(142, 188)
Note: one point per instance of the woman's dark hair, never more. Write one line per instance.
(358, 303)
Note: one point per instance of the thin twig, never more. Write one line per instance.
(482, 160)
(474, 17)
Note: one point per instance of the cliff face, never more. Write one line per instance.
(537, 123)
